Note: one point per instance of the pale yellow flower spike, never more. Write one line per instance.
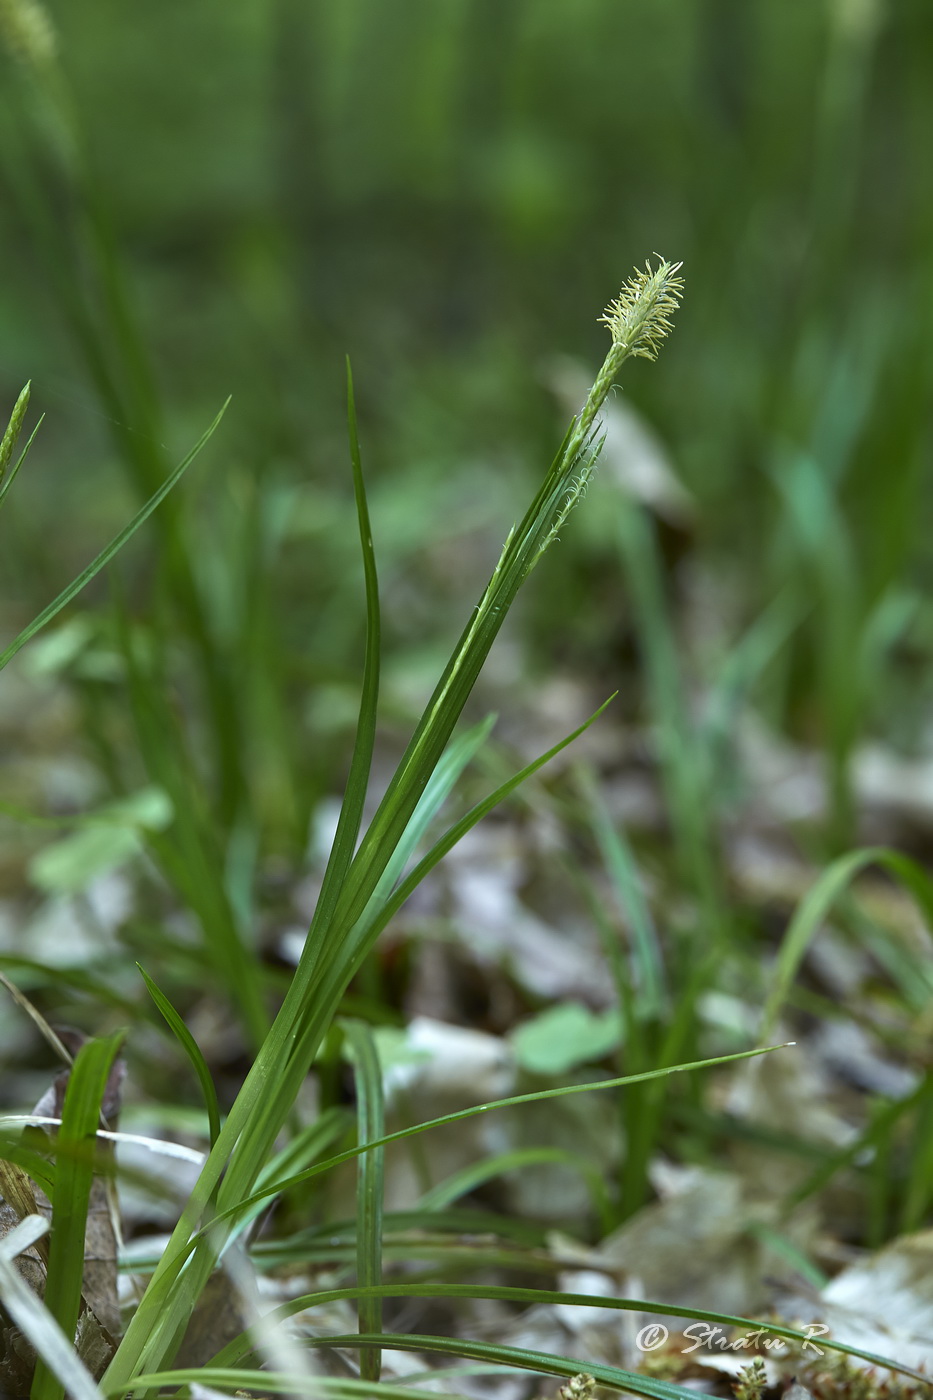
(640, 316)
(638, 320)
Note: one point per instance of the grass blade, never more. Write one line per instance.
(872, 1138)
(33, 1319)
(454, 760)
(351, 810)
(369, 1184)
(466, 823)
(817, 903)
(240, 1346)
(303, 1148)
(607, 1375)
(464, 1113)
(31, 1163)
(461, 1183)
(106, 554)
(73, 1177)
(191, 1049)
(620, 865)
(918, 1189)
(281, 1382)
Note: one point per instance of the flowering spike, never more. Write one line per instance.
(12, 431)
(638, 320)
(640, 316)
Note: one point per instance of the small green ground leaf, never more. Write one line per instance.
(61, 646)
(564, 1037)
(105, 840)
(72, 863)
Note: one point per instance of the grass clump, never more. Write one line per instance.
(366, 882)
(363, 884)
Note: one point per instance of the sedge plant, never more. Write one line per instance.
(365, 883)
(364, 886)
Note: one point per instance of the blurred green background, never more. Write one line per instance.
(202, 199)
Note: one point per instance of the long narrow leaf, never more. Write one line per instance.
(50, 1036)
(461, 1183)
(351, 810)
(455, 1221)
(241, 1346)
(373, 921)
(33, 1319)
(286, 1383)
(370, 1121)
(918, 1189)
(455, 758)
(305, 1147)
(889, 1112)
(464, 1113)
(817, 903)
(620, 865)
(106, 554)
(612, 1376)
(73, 1177)
(191, 1049)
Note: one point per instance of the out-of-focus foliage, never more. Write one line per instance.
(441, 186)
